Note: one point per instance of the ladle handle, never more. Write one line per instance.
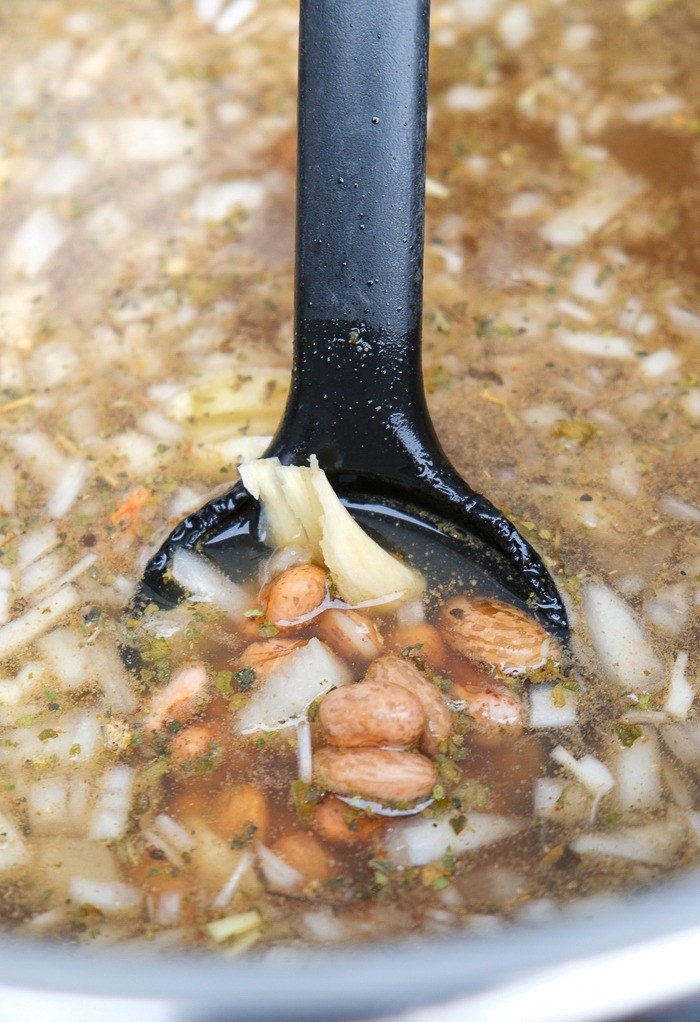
(356, 382)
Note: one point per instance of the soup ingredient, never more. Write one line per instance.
(494, 708)
(350, 633)
(301, 507)
(291, 598)
(497, 634)
(290, 684)
(394, 670)
(372, 713)
(382, 774)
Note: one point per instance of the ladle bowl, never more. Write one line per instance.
(357, 400)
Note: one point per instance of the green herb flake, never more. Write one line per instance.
(244, 835)
(47, 733)
(304, 797)
(245, 678)
(439, 883)
(458, 823)
(253, 613)
(74, 750)
(156, 770)
(268, 630)
(222, 680)
(26, 720)
(628, 733)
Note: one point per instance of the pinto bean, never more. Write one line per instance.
(294, 595)
(304, 853)
(382, 774)
(340, 824)
(425, 635)
(497, 712)
(180, 697)
(265, 654)
(397, 670)
(372, 713)
(235, 811)
(495, 633)
(350, 634)
(194, 742)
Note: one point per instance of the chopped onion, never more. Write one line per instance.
(545, 712)
(625, 654)
(207, 584)
(591, 772)
(231, 886)
(681, 693)
(111, 814)
(175, 833)
(13, 849)
(423, 840)
(67, 490)
(39, 619)
(279, 875)
(637, 772)
(304, 758)
(656, 844)
(284, 695)
(110, 898)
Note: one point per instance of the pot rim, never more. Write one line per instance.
(602, 937)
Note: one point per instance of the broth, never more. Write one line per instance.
(147, 162)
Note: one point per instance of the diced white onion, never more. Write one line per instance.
(545, 713)
(279, 875)
(595, 345)
(66, 491)
(168, 909)
(679, 509)
(291, 686)
(660, 362)
(683, 739)
(577, 223)
(231, 886)
(39, 619)
(13, 849)
(625, 654)
(35, 544)
(637, 771)
(681, 693)
(591, 772)
(207, 584)
(110, 898)
(516, 26)
(423, 840)
(175, 834)
(304, 755)
(656, 844)
(215, 202)
(650, 109)
(469, 97)
(111, 814)
(684, 320)
(234, 15)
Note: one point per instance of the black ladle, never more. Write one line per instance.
(357, 398)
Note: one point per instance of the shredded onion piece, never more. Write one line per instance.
(279, 875)
(593, 774)
(207, 584)
(681, 693)
(304, 754)
(230, 887)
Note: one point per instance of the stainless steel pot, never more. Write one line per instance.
(602, 962)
